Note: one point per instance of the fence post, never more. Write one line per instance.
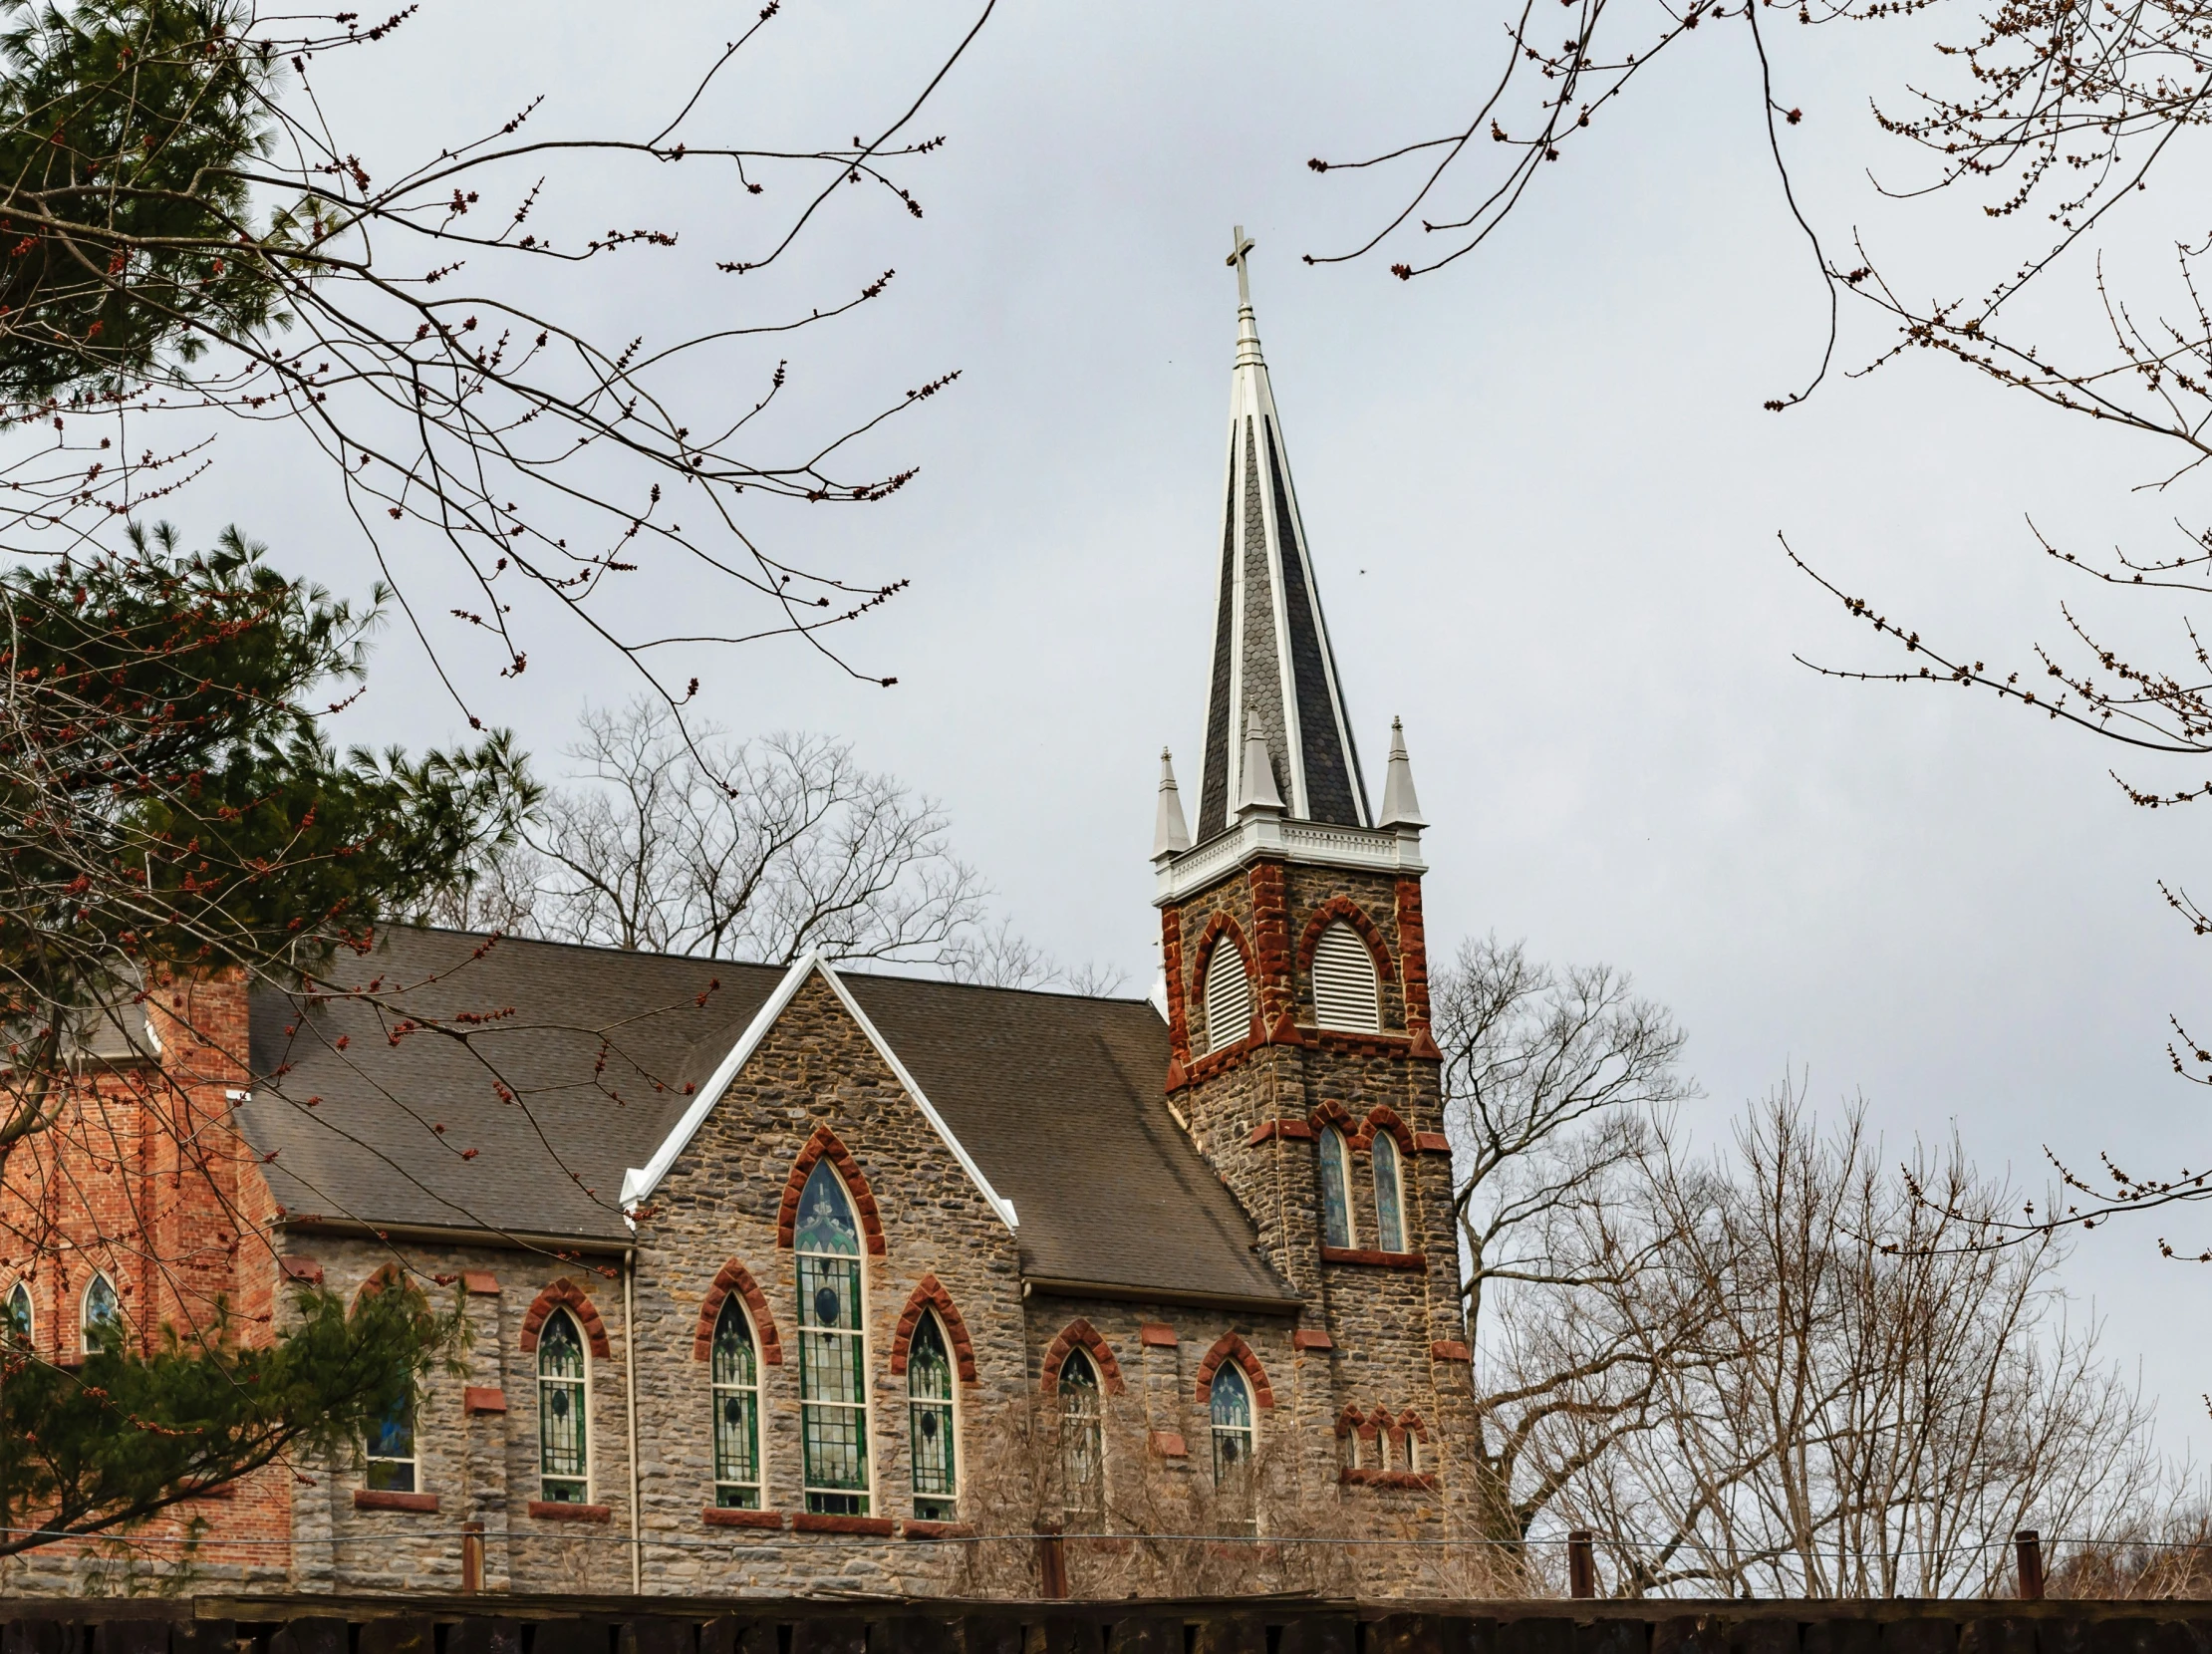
(1053, 1566)
(473, 1557)
(1581, 1565)
(2028, 1546)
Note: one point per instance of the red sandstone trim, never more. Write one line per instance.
(939, 1529)
(1179, 1017)
(1167, 1444)
(1382, 1117)
(565, 1294)
(1312, 1339)
(1449, 1349)
(930, 1294)
(1231, 1347)
(1222, 1061)
(554, 1510)
(307, 1270)
(1411, 1421)
(1350, 911)
(1413, 949)
(826, 1142)
(816, 1522)
(1329, 1112)
(733, 1276)
(484, 1399)
(1365, 1044)
(1375, 1259)
(1296, 1129)
(1363, 1477)
(1349, 1421)
(380, 1499)
(715, 1517)
(1432, 1143)
(1080, 1332)
(1157, 1335)
(481, 1283)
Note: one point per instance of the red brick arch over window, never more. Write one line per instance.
(1229, 1347)
(735, 1277)
(1081, 1333)
(825, 1142)
(1383, 1118)
(565, 1294)
(928, 1295)
(1351, 912)
(1219, 925)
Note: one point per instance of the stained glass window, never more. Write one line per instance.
(564, 1443)
(19, 1315)
(1233, 1432)
(736, 1383)
(1390, 1222)
(930, 1413)
(833, 1393)
(1336, 1212)
(1082, 1463)
(390, 1450)
(103, 1313)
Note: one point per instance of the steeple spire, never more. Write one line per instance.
(1271, 656)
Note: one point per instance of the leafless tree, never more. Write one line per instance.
(1886, 1395)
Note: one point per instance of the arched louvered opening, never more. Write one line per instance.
(1227, 996)
(1344, 988)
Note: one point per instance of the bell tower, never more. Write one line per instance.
(1291, 924)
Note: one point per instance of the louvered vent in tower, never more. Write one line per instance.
(1227, 996)
(1344, 982)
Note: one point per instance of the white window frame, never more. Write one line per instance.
(1250, 1432)
(1095, 1426)
(413, 1460)
(866, 1492)
(583, 1400)
(1337, 1152)
(717, 1390)
(1384, 1149)
(99, 1277)
(950, 1405)
(21, 1292)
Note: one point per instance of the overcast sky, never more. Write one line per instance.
(1544, 501)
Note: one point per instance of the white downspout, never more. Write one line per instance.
(630, 1412)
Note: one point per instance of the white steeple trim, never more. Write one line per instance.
(639, 1183)
(1169, 833)
(1401, 806)
(1258, 771)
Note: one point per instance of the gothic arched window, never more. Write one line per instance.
(1227, 996)
(1082, 1455)
(1336, 1184)
(19, 1315)
(564, 1443)
(1232, 1426)
(103, 1313)
(930, 1414)
(1344, 988)
(1390, 1220)
(390, 1449)
(833, 1388)
(736, 1385)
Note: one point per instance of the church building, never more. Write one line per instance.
(810, 1279)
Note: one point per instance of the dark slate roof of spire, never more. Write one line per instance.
(1057, 1096)
(1271, 642)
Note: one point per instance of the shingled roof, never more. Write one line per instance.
(1055, 1096)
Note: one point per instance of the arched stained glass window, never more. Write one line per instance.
(1390, 1220)
(736, 1385)
(833, 1390)
(564, 1442)
(103, 1313)
(19, 1315)
(390, 1450)
(930, 1412)
(1227, 996)
(1082, 1455)
(1336, 1181)
(1232, 1427)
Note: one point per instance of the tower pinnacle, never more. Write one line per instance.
(1271, 656)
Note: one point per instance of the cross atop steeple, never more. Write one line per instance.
(1245, 245)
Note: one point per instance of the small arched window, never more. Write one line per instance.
(1344, 989)
(19, 1315)
(564, 1442)
(736, 1384)
(833, 1385)
(103, 1313)
(1232, 1427)
(1336, 1184)
(390, 1450)
(1227, 996)
(930, 1416)
(1082, 1459)
(1390, 1221)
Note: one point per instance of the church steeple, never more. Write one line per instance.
(1271, 656)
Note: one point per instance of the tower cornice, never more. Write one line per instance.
(1271, 837)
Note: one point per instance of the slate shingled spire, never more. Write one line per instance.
(1271, 651)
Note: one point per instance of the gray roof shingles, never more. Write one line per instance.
(1057, 1096)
